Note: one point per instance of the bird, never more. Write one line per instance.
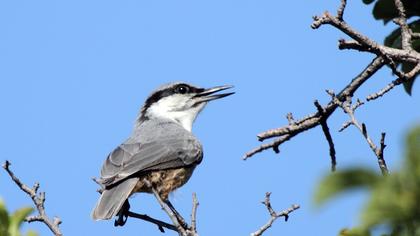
(161, 149)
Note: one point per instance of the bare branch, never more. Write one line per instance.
(383, 91)
(290, 118)
(364, 43)
(357, 105)
(167, 209)
(402, 78)
(345, 126)
(340, 11)
(38, 200)
(327, 134)
(274, 145)
(274, 215)
(178, 222)
(405, 29)
(352, 44)
(313, 120)
(158, 223)
(380, 154)
(384, 56)
(194, 213)
(346, 106)
(289, 131)
(415, 35)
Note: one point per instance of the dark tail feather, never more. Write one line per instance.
(111, 200)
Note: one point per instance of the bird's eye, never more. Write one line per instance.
(182, 89)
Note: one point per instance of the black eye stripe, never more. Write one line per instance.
(156, 96)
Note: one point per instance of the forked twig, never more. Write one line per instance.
(38, 200)
(273, 215)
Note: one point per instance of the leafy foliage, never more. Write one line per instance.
(385, 10)
(10, 223)
(345, 180)
(394, 200)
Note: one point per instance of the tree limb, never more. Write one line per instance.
(289, 131)
(384, 56)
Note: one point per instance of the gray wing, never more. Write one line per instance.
(129, 159)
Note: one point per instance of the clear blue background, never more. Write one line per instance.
(73, 75)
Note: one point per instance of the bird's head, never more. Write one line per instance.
(179, 102)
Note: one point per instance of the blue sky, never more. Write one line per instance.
(75, 73)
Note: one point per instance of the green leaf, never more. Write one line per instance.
(408, 86)
(4, 219)
(413, 152)
(344, 180)
(394, 39)
(31, 233)
(384, 10)
(393, 201)
(415, 26)
(354, 232)
(412, 7)
(17, 218)
(368, 1)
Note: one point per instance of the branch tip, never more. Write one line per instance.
(38, 200)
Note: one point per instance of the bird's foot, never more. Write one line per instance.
(122, 215)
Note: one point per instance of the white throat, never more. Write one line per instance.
(170, 109)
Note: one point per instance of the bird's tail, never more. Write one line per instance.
(111, 200)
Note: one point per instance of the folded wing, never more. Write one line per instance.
(136, 158)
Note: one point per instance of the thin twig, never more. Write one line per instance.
(340, 11)
(405, 29)
(415, 35)
(158, 223)
(181, 227)
(346, 106)
(328, 136)
(194, 213)
(352, 44)
(274, 215)
(290, 118)
(357, 105)
(380, 154)
(167, 209)
(38, 200)
(402, 78)
(345, 126)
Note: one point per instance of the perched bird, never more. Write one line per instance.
(161, 149)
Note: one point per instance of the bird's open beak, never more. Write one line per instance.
(208, 94)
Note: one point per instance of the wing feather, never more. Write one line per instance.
(129, 159)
